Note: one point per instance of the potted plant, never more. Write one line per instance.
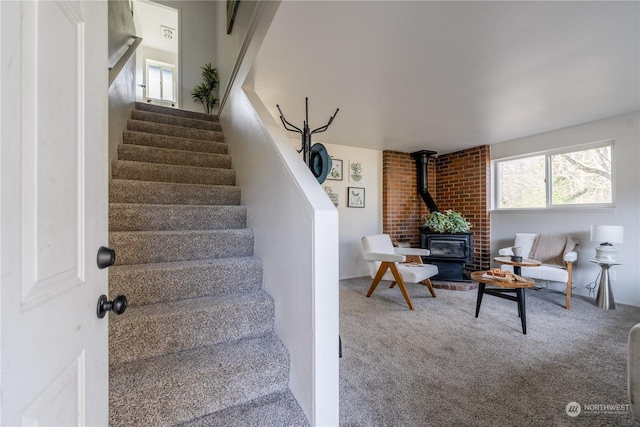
(447, 222)
(205, 93)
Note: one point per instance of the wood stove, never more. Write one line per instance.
(449, 251)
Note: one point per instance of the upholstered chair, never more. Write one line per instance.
(387, 262)
(557, 252)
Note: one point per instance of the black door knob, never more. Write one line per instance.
(118, 305)
(106, 257)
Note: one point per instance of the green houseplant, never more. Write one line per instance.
(206, 92)
(447, 222)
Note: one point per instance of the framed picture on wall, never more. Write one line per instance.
(355, 171)
(334, 197)
(336, 170)
(355, 197)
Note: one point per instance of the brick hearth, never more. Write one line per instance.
(454, 286)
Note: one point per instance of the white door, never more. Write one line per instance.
(53, 207)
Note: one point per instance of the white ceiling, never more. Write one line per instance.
(149, 17)
(450, 75)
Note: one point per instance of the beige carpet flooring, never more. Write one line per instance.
(440, 366)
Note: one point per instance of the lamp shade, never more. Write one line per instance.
(607, 233)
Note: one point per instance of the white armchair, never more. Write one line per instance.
(557, 252)
(386, 262)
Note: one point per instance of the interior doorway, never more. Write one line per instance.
(157, 59)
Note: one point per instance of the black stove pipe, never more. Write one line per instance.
(422, 162)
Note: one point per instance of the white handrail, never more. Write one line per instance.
(115, 70)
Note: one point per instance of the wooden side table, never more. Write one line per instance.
(501, 290)
(604, 298)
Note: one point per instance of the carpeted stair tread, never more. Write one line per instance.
(135, 191)
(173, 142)
(141, 153)
(182, 132)
(197, 343)
(126, 169)
(154, 330)
(138, 247)
(169, 281)
(182, 386)
(278, 409)
(139, 217)
(174, 112)
(169, 119)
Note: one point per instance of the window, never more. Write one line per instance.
(580, 177)
(160, 81)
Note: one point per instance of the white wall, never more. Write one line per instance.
(228, 45)
(197, 32)
(122, 91)
(296, 236)
(356, 222)
(625, 131)
(159, 55)
(121, 28)
(121, 102)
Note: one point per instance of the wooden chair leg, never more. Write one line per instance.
(379, 274)
(400, 281)
(392, 284)
(429, 285)
(569, 281)
(396, 274)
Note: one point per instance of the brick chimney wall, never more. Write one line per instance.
(459, 181)
(402, 206)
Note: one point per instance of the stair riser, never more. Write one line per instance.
(157, 333)
(127, 191)
(150, 284)
(223, 377)
(142, 106)
(182, 132)
(128, 217)
(165, 246)
(173, 143)
(166, 119)
(124, 169)
(138, 153)
(281, 406)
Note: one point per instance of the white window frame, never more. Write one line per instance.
(549, 179)
(174, 83)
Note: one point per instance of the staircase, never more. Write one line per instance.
(196, 346)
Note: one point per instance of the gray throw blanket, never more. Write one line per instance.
(550, 248)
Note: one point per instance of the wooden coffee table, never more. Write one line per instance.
(517, 264)
(501, 289)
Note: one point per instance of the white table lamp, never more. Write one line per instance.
(607, 234)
